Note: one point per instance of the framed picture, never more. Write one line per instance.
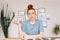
(21, 18)
(21, 13)
(44, 23)
(42, 16)
(25, 11)
(41, 10)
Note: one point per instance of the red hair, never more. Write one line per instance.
(30, 7)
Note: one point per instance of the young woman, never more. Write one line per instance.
(32, 26)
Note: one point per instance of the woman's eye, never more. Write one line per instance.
(30, 13)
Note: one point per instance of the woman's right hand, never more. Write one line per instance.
(15, 22)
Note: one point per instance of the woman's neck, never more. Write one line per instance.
(32, 21)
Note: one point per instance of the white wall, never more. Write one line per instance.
(52, 8)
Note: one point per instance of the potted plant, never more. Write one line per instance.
(56, 31)
(6, 20)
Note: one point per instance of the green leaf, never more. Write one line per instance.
(56, 30)
(5, 22)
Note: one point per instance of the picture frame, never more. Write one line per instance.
(44, 23)
(21, 13)
(21, 18)
(42, 16)
(41, 10)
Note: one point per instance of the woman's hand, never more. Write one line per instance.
(19, 28)
(31, 36)
(15, 22)
(40, 36)
(37, 37)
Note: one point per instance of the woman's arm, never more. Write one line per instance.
(40, 36)
(20, 32)
(19, 28)
(31, 36)
(41, 30)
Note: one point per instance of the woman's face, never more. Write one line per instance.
(31, 14)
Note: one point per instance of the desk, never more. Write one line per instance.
(12, 39)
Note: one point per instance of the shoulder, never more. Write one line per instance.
(39, 20)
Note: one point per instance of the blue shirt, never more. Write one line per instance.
(32, 29)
